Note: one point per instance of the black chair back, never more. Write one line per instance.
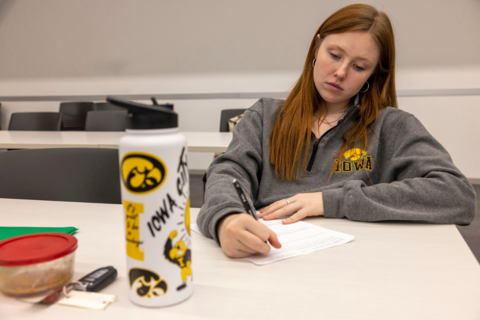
(63, 174)
(105, 106)
(35, 121)
(106, 120)
(74, 114)
(226, 115)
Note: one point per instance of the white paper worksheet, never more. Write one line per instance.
(297, 239)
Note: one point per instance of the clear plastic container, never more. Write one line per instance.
(36, 264)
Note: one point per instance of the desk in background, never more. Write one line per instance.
(389, 271)
(197, 141)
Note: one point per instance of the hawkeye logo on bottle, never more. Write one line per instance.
(356, 159)
(142, 173)
(146, 283)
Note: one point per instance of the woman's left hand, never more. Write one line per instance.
(299, 206)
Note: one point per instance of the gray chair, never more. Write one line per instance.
(63, 174)
(74, 114)
(106, 120)
(226, 115)
(35, 121)
(105, 106)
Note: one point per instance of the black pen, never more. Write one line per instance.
(243, 198)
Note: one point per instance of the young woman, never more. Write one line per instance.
(336, 147)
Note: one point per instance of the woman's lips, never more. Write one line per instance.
(334, 86)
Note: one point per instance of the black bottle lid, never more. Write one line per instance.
(146, 117)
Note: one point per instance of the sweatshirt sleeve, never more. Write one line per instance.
(241, 161)
(417, 181)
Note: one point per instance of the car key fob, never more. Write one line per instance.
(97, 280)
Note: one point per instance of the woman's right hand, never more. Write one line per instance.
(241, 236)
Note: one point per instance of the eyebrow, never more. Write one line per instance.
(358, 58)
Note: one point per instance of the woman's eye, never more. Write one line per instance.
(359, 68)
(334, 56)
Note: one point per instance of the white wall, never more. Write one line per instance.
(95, 38)
(89, 47)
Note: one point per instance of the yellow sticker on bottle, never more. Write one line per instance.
(187, 217)
(132, 215)
(142, 173)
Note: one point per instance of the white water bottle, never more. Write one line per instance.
(155, 196)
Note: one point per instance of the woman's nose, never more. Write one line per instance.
(341, 71)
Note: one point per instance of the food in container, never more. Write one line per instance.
(36, 264)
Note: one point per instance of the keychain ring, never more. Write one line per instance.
(67, 288)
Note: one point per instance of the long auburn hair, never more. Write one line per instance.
(291, 134)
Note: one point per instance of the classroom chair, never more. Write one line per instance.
(113, 120)
(105, 106)
(35, 121)
(227, 114)
(62, 174)
(74, 114)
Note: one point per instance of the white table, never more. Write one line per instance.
(390, 271)
(197, 141)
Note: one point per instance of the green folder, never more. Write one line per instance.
(8, 232)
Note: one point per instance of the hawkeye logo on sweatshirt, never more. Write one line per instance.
(356, 159)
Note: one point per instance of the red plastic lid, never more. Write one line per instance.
(35, 248)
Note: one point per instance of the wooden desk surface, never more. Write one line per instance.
(389, 271)
(197, 141)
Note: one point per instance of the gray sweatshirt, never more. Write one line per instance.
(405, 175)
